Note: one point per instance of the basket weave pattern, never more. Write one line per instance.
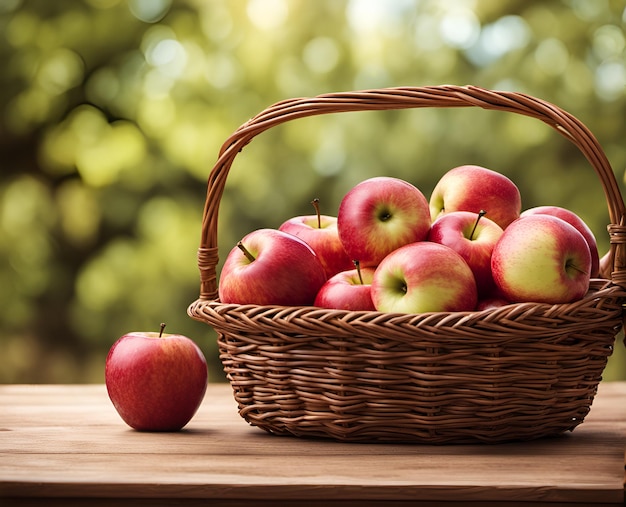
(518, 372)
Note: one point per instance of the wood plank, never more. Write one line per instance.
(263, 502)
(68, 441)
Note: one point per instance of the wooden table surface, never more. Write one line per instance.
(66, 445)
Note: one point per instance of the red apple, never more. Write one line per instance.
(424, 277)
(271, 267)
(347, 290)
(543, 259)
(573, 219)
(379, 215)
(156, 381)
(474, 188)
(320, 233)
(473, 236)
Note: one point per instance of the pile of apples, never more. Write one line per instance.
(389, 249)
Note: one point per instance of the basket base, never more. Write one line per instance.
(407, 414)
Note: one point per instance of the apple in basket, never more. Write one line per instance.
(271, 267)
(543, 259)
(473, 236)
(320, 233)
(348, 290)
(573, 219)
(379, 215)
(156, 381)
(424, 277)
(474, 188)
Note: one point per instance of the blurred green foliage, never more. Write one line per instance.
(112, 114)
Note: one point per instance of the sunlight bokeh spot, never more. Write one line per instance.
(460, 28)
(552, 56)
(79, 213)
(63, 69)
(149, 11)
(268, 14)
(609, 41)
(321, 54)
(499, 38)
(611, 79)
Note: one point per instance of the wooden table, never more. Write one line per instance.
(66, 445)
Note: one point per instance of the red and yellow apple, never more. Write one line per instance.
(473, 236)
(573, 219)
(379, 215)
(474, 188)
(347, 290)
(543, 259)
(424, 277)
(320, 233)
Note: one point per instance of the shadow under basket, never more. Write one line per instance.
(517, 372)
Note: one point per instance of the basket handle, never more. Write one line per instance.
(613, 264)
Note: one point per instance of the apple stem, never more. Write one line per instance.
(246, 252)
(357, 265)
(316, 204)
(162, 329)
(481, 214)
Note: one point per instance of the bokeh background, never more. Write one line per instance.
(112, 113)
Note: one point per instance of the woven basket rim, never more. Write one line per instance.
(604, 297)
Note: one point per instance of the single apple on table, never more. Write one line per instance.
(320, 233)
(424, 277)
(543, 259)
(473, 188)
(573, 219)
(271, 267)
(473, 236)
(348, 290)
(156, 381)
(379, 215)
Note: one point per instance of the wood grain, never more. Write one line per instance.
(68, 443)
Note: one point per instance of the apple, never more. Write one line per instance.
(348, 290)
(320, 233)
(271, 267)
(379, 215)
(473, 236)
(543, 259)
(573, 219)
(156, 381)
(474, 188)
(424, 277)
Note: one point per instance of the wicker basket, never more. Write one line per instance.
(518, 372)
